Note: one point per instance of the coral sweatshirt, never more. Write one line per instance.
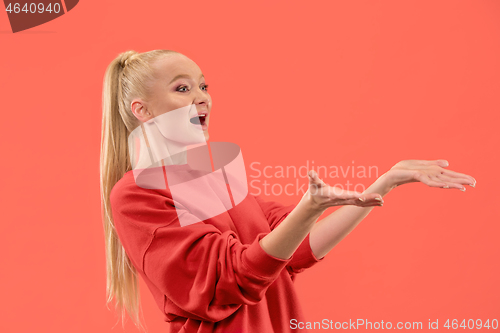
(213, 275)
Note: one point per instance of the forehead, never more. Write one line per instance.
(172, 65)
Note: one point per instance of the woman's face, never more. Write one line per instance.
(180, 90)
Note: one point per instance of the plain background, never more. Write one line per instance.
(373, 82)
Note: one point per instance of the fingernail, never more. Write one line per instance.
(473, 185)
(379, 199)
(462, 189)
(361, 199)
(446, 186)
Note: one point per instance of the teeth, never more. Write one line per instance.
(197, 119)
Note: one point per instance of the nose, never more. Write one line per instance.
(202, 98)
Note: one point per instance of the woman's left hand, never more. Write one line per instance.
(431, 173)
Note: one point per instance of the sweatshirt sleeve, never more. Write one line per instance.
(303, 257)
(205, 274)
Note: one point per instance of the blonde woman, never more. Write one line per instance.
(229, 271)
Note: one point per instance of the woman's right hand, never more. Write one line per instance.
(323, 196)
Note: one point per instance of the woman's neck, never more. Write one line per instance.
(175, 153)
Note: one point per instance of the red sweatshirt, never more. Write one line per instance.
(210, 276)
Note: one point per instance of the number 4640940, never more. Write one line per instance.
(33, 8)
(472, 324)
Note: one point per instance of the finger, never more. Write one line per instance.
(315, 184)
(373, 196)
(423, 178)
(451, 184)
(339, 193)
(370, 200)
(355, 202)
(448, 184)
(454, 186)
(368, 203)
(455, 174)
(441, 163)
(456, 180)
(314, 178)
(362, 200)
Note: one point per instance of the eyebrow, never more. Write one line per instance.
(184, 76)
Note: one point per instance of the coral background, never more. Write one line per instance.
(373, 82)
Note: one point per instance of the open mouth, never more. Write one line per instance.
(199, 119)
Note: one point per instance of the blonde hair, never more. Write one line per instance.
(127, 77)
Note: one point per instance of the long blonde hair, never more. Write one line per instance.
(127, 77)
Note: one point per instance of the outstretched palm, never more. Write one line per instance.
(431, 173)
(323, 195)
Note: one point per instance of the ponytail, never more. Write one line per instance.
(126, 77)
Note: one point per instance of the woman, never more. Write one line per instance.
(231, 270)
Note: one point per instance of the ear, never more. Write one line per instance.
(140, 110)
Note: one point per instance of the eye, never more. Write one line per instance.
(181, 87)
(205, 86)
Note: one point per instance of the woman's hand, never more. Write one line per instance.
(322, 196)
(431, 173)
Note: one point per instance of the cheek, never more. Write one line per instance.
(171, 102)
(181, 102)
